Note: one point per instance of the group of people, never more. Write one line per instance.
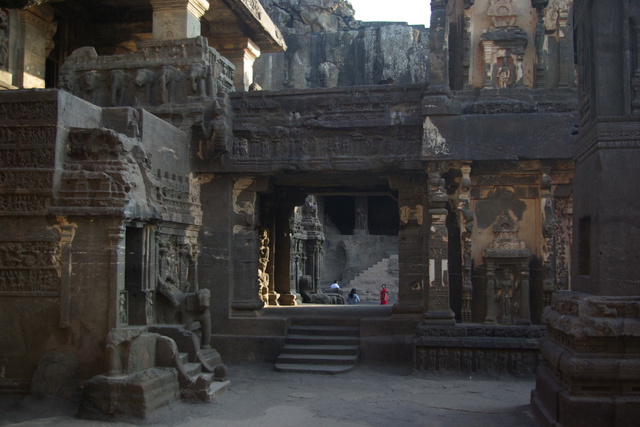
(353, 297)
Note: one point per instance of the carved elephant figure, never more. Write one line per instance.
(144, 80)
(169, 77)
(197, 75)
(119, 85)
(91, 84)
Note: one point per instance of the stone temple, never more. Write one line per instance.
(181, 179)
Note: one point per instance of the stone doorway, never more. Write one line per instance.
(322, 235)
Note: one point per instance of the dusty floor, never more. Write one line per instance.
(367, 396)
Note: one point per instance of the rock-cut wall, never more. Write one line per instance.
(328, 47)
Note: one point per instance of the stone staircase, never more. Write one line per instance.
(320, 346)
(150, 367)
(368, 282)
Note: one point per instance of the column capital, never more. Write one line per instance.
(177, 19)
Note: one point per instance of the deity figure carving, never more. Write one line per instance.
(505, 287)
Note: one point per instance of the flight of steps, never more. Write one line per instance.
(212, 357)
(320, 346)
(369, 281)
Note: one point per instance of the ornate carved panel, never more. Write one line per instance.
(30, 268)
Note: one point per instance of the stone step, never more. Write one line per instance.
(323, 321)
(347, 350)
(211, 356)
(217, 388)
(313, 369)
(316, 359)
(321, 340)
(324, 330)
(184, 358)
(192, 369)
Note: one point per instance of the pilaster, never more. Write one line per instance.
(35, 40)
(436, 291)
(177, 19)
(242, 52)
(411, 257)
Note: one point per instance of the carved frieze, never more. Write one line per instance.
(160, 72)
(41, 111)
(30, 268)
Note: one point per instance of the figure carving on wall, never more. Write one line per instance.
(505, 74)
(90, 83)
(119, 84)
(197, 75)
(169, 77)
(144, 80)
(505, 287)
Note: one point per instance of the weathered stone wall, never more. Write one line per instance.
(327, 47)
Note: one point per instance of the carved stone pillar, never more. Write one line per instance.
(411, 256)
(438, 44)
(117, 307)
(548, 237)
(245, 251)
(436, 291)
(282, 256)
(177, 19)
(466, 219)
(242, 52)
(36, 30)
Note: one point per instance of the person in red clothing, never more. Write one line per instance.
(384, 295)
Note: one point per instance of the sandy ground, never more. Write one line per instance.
(367, 396)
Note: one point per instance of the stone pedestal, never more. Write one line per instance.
(591, 370)
(177, 19)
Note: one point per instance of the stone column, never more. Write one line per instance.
(177, 19)
(242, 52)
(67, 233)
(282, 255)
(36, 28)
(245, 250)
(436, 291)
(411, 256)
(466, 219)
(117, 307)
(565, 48)
(438, 45)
